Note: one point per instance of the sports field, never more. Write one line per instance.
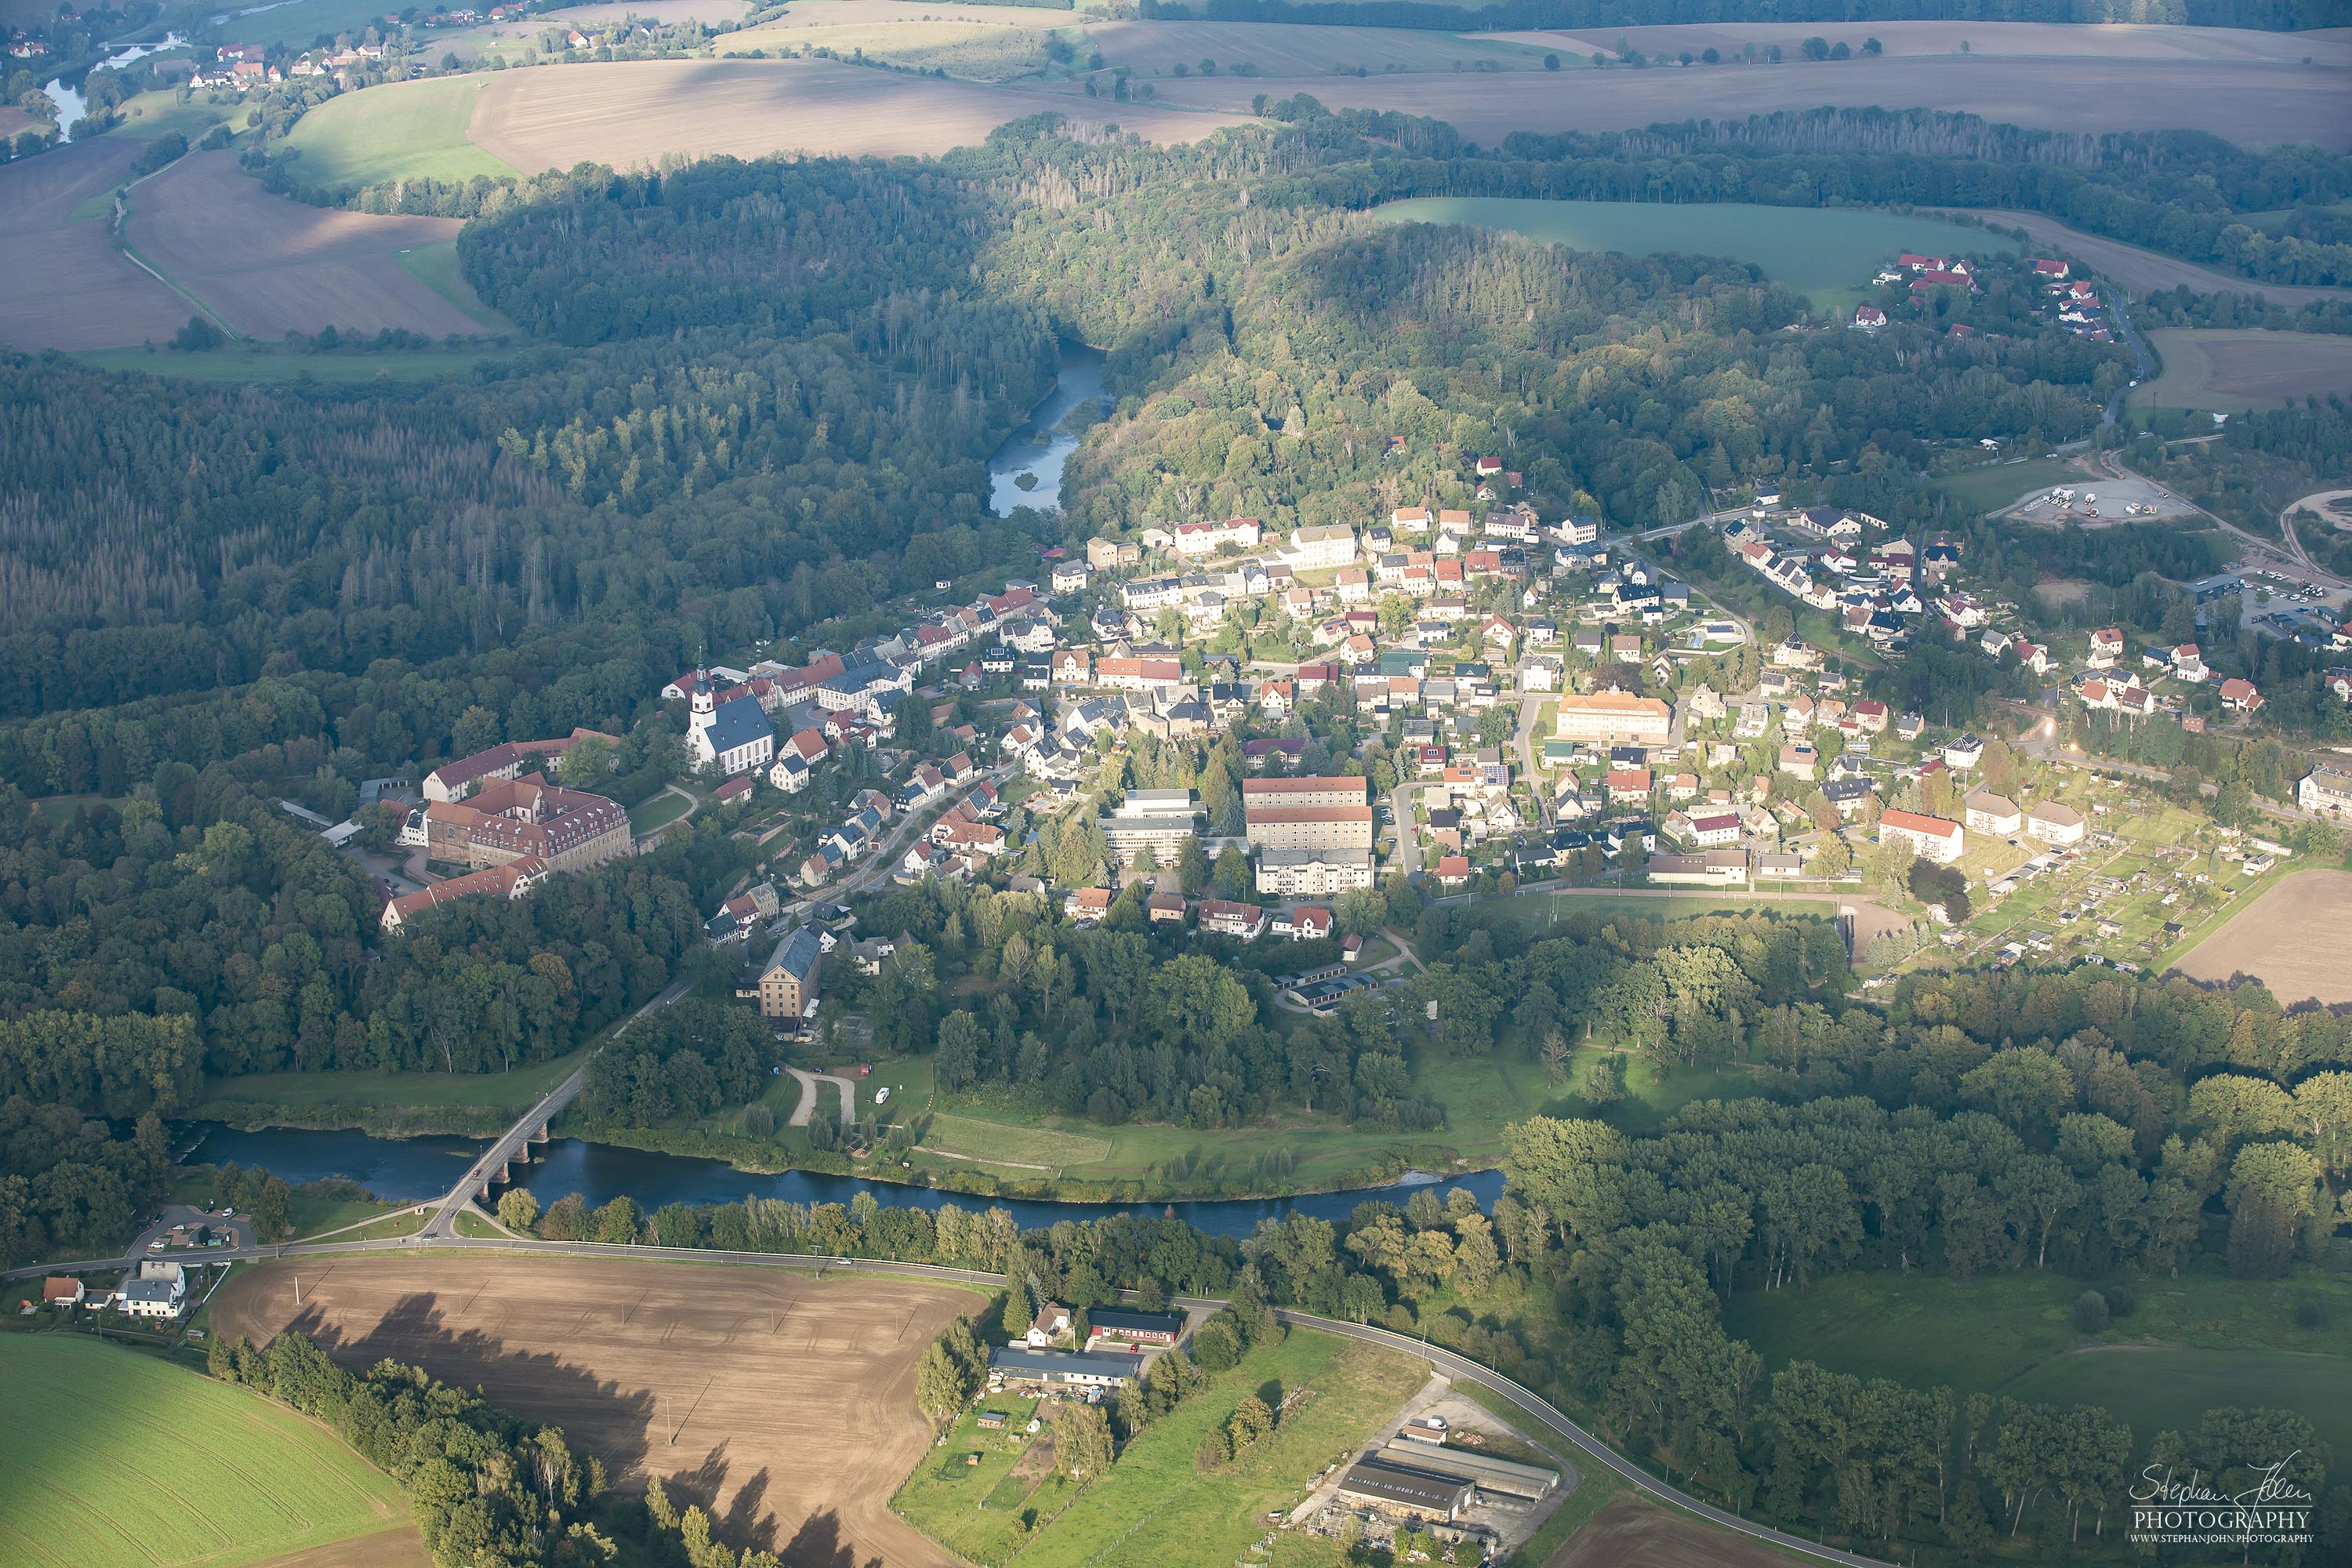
(2190, 1343)
(414, 131)
(116, 1456)
(2229, 368)
(1155, 1508)
(789, 1400)
(1826, 256)
(2246, 102)
(2268, 939)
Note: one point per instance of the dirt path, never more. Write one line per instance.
(784, 1403)
(808, 1093)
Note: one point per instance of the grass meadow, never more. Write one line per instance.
(1993, 487)
(1154, 1507)
(2190, 1343)
(416, 129)
(1828, 255)
(116, 1456)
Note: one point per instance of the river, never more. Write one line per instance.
(1040, 447)
(68, 100)
(405, 1170)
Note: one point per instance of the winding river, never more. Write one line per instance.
(68, 100)
(1040, 447)
(404, 1170)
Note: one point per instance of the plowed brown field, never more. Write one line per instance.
(2281, 939)
(62, 286)
(785, 1403)
(270, 265)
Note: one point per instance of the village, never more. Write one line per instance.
(1475, 703)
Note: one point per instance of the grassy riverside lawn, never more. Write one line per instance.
(473, 1104)
(1994, 487)
(2192, 1343)
(414, 131)
(140, 1462)
(1012, 1509)
(1825, 254)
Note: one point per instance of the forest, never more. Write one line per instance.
(2279, 15)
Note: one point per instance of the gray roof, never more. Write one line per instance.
(741, 723)
(796, 954)
(1410, 1488)
(1022, 1362)
(164, 1290)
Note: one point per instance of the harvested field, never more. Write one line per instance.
(630, 114)
(972, 51)
(2121, 41)
(1284, 49)
(270, 266)
(785, 1403)
(402, 1548)
(2249, 102)
(12, 120)
(2231, 368)
(1629, 1533)
(2142, 271)
(862, 12)
(61, 284)
(668, 13)
(2271, 938)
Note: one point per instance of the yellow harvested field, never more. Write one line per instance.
(974, 51)
(783, 1405)
(269, 266)
(627, 115)
(2229, 368)
(864, 13)
(2143, 271)
(2245, 101)
(663, 13)
(2119, 41)
(62, 286)
(1284, 49)
(2293, 938)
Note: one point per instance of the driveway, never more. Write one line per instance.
(809, 1094)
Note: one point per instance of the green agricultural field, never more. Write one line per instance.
(1011, 1509)
(1825, 254)
(2191, 1344)
(436, 267)
(117, 1457)
(1993, 487)
(416, 129)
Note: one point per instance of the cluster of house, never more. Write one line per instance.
(156, 1291)
(2105, 683)
(241, 68)
(510, 829)
(1119, 1346)
(1822, 557)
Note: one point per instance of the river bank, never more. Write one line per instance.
(414, 1169)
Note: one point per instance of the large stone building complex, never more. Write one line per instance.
(1614, 717)
(569, 829)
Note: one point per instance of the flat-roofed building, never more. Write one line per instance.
(1505, 1476)
(1158, 820)
(1312, 873)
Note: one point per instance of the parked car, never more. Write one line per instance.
(882, 1095)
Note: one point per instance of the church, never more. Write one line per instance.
(735, 733)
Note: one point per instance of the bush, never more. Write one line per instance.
(2121, 1302)
(760, 1123)
(165, 150)
(2090, 1311)
(198, 335)
(2307, 1314)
